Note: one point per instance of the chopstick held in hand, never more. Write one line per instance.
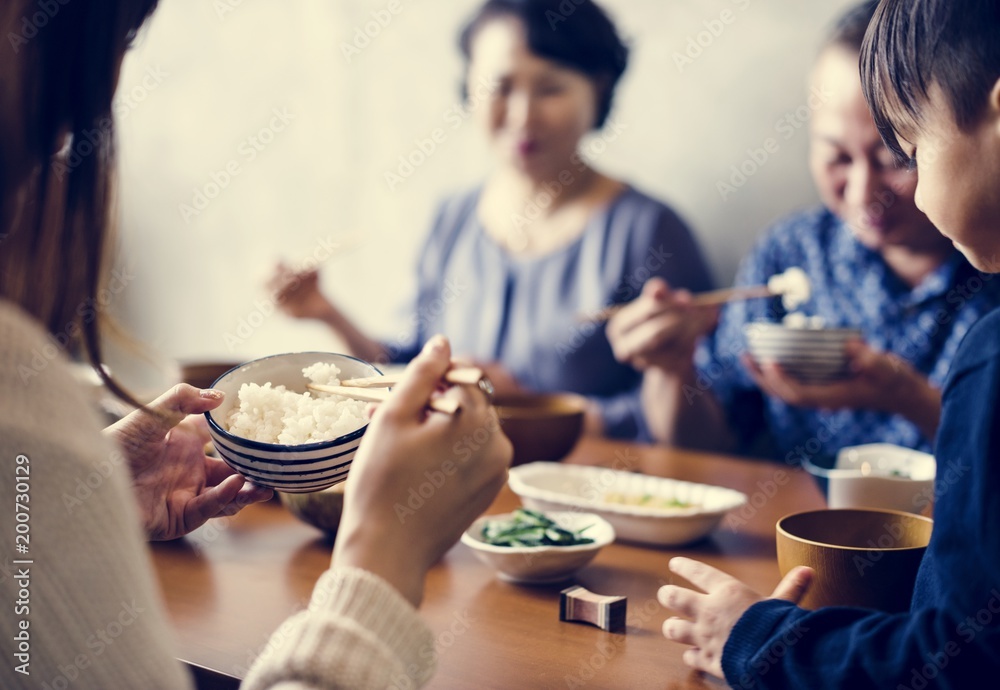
(704, 299)
(377, 395)
(371, 388)
(462, 376)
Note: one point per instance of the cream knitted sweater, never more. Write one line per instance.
(86, 607)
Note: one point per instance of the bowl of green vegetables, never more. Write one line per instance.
(532, 547)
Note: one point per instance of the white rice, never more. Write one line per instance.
(274, 414)
(797, 319)
(793, 285)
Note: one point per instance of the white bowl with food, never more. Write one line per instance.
(802, 347)
(279, 435)
(641, 508)
(534, 547)
(879, 475)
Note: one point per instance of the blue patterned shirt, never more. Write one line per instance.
(852, 286)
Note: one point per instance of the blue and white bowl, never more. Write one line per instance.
(293, 469)
(812, 355)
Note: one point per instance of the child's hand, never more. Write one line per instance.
(714, 614)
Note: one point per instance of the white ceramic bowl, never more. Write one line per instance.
(541, 564)
(293, 469)
(879, 475)
(808, 354)
(554, 486)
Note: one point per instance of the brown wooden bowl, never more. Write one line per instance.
(541, 426)
(862, 557)
(321, 509)
(204, 374)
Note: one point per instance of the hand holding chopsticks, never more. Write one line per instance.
(711, 298)
(792, 285)
(378, 395)
(459, 376)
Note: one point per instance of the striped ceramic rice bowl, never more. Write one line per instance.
(812, 355)
(299, 468)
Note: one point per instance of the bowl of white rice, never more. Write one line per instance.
(278, 434)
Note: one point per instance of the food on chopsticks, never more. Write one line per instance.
(647, 501)
(793, 285)
(274, 414)
(531, 528)
(799, 320)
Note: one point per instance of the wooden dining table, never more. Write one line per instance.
(232, 583)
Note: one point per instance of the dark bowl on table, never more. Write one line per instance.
(541, 426)
(204, 374)
(321, 509)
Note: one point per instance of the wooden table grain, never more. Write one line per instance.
(233, 582)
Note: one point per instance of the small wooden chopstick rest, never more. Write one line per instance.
(581, 605)
(446, 405)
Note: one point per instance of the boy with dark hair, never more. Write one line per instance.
(931, 74)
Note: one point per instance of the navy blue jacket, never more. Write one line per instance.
(950, 638)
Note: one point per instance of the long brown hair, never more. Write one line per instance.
(57, 158)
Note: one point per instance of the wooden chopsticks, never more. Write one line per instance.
(460, 376)
(372, 388)
(715, 297)
(377, 395)
(704, 299)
